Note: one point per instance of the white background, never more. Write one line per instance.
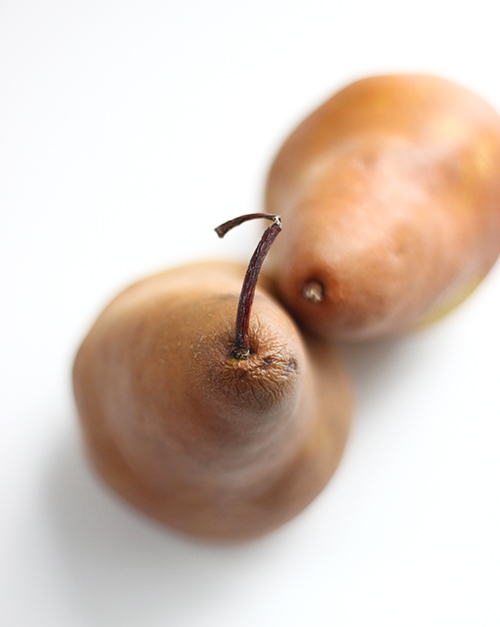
(128, 131)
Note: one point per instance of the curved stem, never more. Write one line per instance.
(242, 348)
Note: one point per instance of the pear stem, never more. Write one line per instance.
(242, 348)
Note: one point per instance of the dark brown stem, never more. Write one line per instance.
(242, 348)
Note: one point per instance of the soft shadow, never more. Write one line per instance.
(122, 569)
(380, 367)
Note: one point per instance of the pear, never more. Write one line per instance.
(207, 409)
(391, 195)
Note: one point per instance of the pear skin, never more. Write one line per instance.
(390, 191)
(211, 445)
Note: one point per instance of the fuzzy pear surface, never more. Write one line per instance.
(391, 195)
(212, 445)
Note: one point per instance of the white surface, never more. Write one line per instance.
(128, 130)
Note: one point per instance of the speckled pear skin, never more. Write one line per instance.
(212, 446)
(390, 192)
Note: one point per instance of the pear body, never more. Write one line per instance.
(390, 192)
(211, 445)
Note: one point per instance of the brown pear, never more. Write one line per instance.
(391, 195)
(214, 429)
